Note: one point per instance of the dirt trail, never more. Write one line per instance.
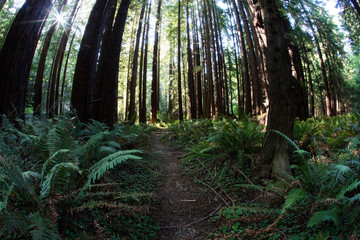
(183, 212)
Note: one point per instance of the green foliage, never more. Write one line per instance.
(36, 193)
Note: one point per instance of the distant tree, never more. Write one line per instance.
(16, 56)
(38, 88)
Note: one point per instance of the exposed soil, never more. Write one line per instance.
(183, 211)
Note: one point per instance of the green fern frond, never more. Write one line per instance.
(293, 197)
(54, 180)
(49, 163)
(331, 215)
(348, 188)
(41, 228)
(109, 162)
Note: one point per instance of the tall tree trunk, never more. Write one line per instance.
(129, 66)
(309, 80)
(142, 103)
(245, 68)
(190, 68)
(210, 24)
(62, 104)
(322, 64)
(258, 105)
(87, 57)
(171, 80)
(154, 84)
(181, 117)
(132, 107)
(197, 71)
(55, 77)
(16, 56)
(106, 85)
(41, 67)
(276, 150)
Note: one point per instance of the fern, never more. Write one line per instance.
(56, 180)
(292, 198)
(98, 170)
(327, 215)
(41, 228)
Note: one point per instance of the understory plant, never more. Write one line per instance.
(63, 179)
(319, 201)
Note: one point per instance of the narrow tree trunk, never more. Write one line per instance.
(64, 76)
(245, 69)
(258, 106)
(181, 117)
(16, 56)
(41, 67)
(154, 84)
(190, 68)
(142, 103)
(132, 111)
(55, 77)
(322, 64)
(87, 57)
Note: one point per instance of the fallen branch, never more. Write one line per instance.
(217, 194)
(204, 218)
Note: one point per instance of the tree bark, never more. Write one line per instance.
(132, 111)
(276, 150)
(154, 84)
(87, 57)
(245, 68)
(181, 117)
(41, 67)
(106, 85)
(16, 56)
(142, 103)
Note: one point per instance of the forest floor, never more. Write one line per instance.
(184, 209)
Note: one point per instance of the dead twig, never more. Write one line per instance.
(217, 194)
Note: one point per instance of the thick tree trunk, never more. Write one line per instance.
(87, 57)
(276, 150)
(16, 56)
(197, 70)
(106, 85)
(154, 84)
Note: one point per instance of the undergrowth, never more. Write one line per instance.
(61, 179)
(320, 200)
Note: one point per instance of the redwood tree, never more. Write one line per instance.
(86, 62)
(276, 150)
(16, 56)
